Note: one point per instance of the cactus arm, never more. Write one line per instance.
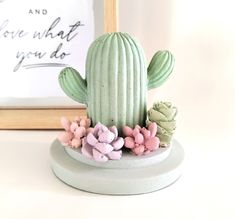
(160, 68)
(73, 85)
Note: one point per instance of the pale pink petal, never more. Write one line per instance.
(99, 157)
(106, 137)
(73, 127)
(83, 122)
(136, 131)
(153, 129)
(104, 148)
(147, 152)
(97, 128)
(91, 139)
(129, 142)
(152, 143)
(114, 130)
(146, 133)
(138, 150)
(115, 155)
(118, 144)
(76, 143)
(139, 138)
(90, 130)
(127, 131)
(65, 137)
(88, 123)
(87, 150)
(65, 123)
(80, 132)
(103, 128)
(77, 119)
(138, 127)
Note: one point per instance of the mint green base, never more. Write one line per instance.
(117, 181)
(128, 160)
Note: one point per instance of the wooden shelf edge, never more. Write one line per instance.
(49, 118)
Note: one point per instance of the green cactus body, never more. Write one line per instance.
(117, 80)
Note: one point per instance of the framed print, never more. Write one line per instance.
(37, 39)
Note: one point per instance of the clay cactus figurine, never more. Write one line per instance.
(141, 140)
(117, 80)
(74, 131)
(103, 144)
(163, 113)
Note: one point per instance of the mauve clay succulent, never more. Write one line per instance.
(103, 144)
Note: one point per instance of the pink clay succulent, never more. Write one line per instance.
(103, 144)
(74, 132)
(141, 140)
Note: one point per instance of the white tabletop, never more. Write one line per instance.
(29, 189)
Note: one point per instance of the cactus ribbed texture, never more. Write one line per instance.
(116, 80)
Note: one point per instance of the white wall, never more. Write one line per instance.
(201, 35)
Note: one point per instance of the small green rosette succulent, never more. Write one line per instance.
(163, 113)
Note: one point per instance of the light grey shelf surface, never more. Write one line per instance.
(29, 189)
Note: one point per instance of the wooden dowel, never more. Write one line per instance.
(110, 16)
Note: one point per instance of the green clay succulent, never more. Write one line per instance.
(163, 113)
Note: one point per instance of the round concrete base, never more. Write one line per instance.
(118, 181)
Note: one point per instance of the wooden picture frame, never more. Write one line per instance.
(47, 117)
